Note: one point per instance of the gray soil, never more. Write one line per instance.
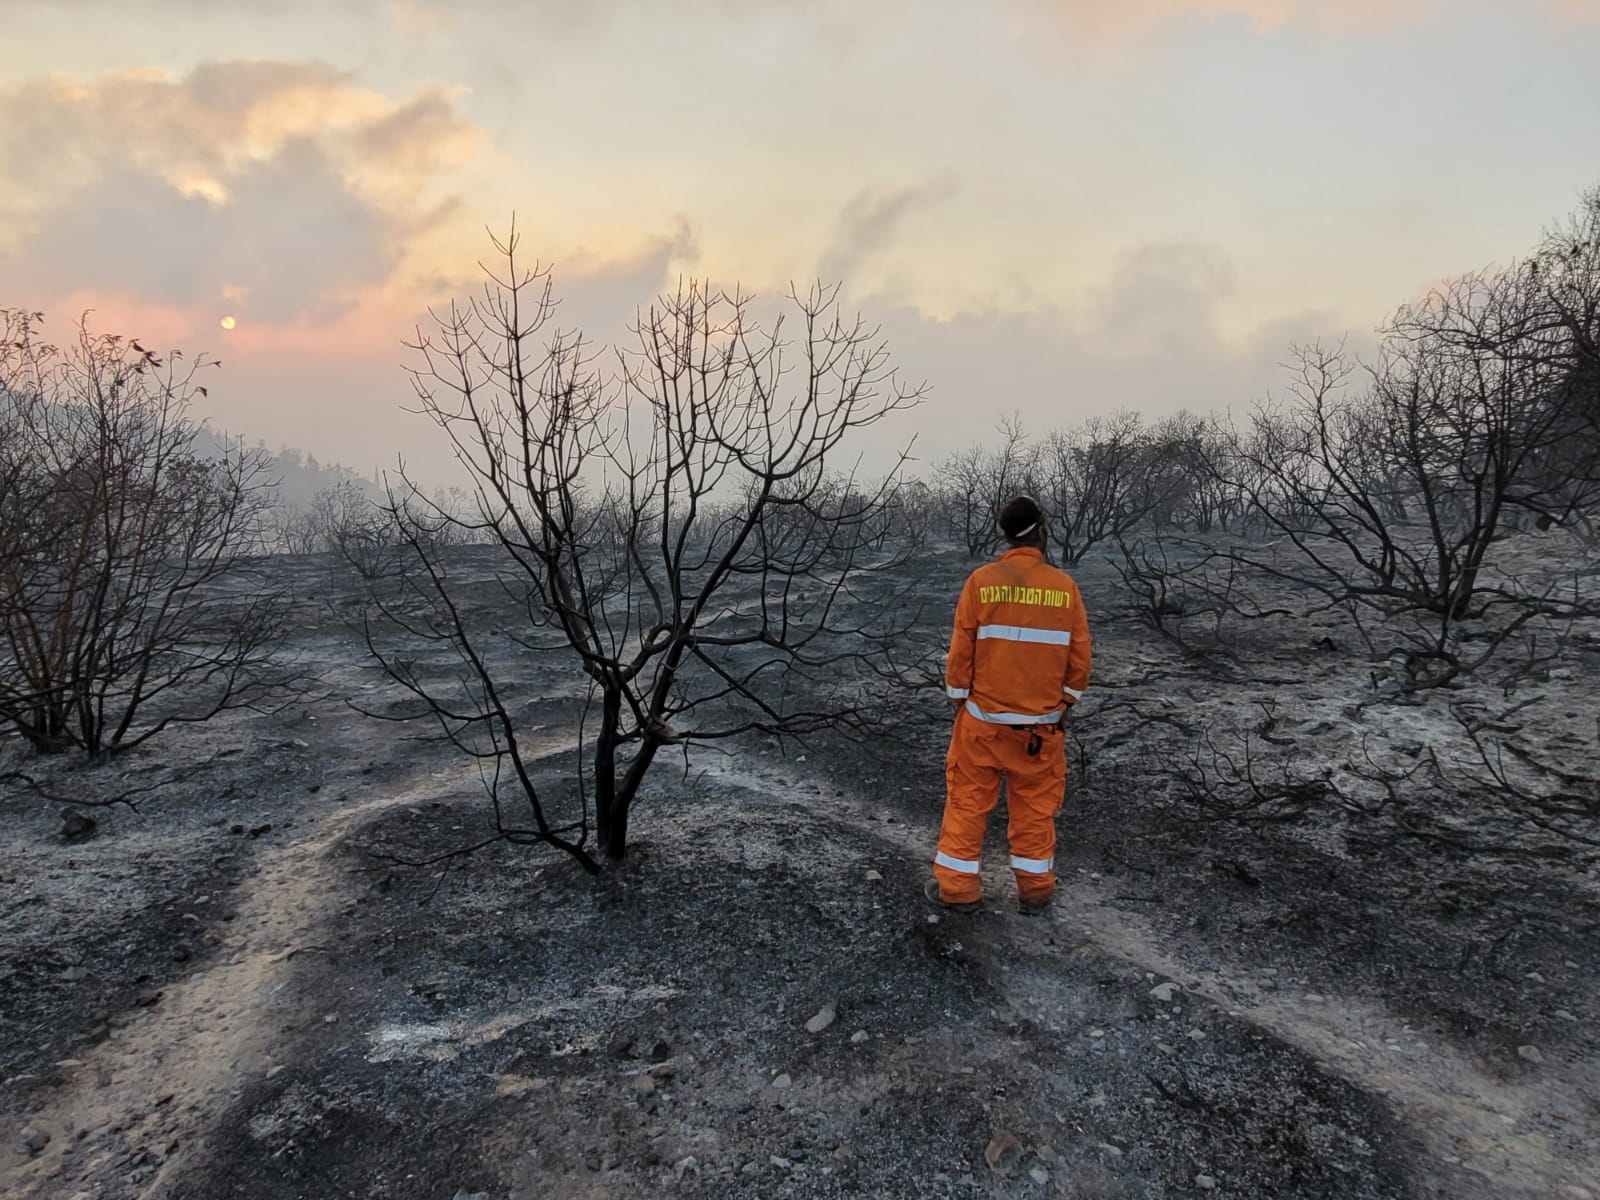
(236, 992)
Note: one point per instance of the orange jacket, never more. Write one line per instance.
(1020, 651)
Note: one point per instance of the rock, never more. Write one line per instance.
(783, 1164)
(1530, 1054)
(1002, 1151)
(644, 1085)
(75, 974)
(822, 1020)
(1562, 673)
(75, 827)
(858, 1037)
(34, 1139)
(1039, 1175)
(1163, 992)
(873, 876)
(1205, 1183)
(1196, 1035)
(687, 1165)
(147, 997)
(783, 1082)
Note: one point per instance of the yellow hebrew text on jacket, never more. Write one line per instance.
(1041, 597)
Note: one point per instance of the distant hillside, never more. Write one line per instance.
(300, 476)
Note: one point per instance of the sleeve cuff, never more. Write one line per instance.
(956, 693)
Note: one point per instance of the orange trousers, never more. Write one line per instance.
(981, 754)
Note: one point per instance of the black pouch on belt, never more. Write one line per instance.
(1034, 742)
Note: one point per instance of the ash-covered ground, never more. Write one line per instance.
(1372, 973)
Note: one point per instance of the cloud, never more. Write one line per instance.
(1150, 338)
(870, 221)
(1133, 18)
(282, 187)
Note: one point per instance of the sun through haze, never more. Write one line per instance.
(1056, 207)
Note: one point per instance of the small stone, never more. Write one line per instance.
(1113, 1151)
(1530, 1054)
(1204, 1182)
(822, 1020)
(330, 1018)
(1039, 1175)
(686, 1165)
(858, 1037)
(750, 1168)
(75, 827)
(147, 997)
(1163, 992)
(34, 1139)
(1314, 998)
(873, 876)
(783, 1083)
(783, 1164)
(1196, 1035)
(75, 974)
(1097, 1034)
(644, 1085)
(1002, 1151)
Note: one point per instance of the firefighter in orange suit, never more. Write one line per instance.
(1019, 658)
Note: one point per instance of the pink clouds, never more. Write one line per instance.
(282, 188)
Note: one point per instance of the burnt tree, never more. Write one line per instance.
(678, 526)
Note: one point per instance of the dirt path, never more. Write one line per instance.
(149, 1095)
(148, 1099)
(1518, 1137)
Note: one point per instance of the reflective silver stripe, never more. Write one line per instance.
(956, 693)
(1021, 633)
(965, 866)
(1049, 718)
(1075, 693)
(1032, 866)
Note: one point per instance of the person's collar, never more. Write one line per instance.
(1033, 550)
